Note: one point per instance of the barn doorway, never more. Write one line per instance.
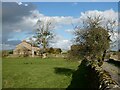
(35, 53)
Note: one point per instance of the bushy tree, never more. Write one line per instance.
(5, 53)
(74, 53)
(55, 50)
(51, 50)
(95, 41)
(58, 51)
(93, 37)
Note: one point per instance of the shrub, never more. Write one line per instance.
(10, 51)
(5, 53)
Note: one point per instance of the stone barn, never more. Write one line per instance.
(26, 49)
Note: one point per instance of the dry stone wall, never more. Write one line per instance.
(105, 80)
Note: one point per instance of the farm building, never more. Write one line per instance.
(26, 49)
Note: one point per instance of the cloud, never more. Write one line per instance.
(22, 17)
(17, 30)
(19, 3)
(61, 42)
(26, 4)
(75, 3)
(12, 15)
(14, 42)
(64, 0)
(7, 47)
(12, 12)
(70, 31)
(114, 36)
(107, 15)
(57, 19)
(27, 23)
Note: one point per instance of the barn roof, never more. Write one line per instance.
(26, 45)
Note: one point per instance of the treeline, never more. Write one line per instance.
(50, 50)
(6, 52)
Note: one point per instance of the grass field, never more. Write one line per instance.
(0, 72)
(37, 73)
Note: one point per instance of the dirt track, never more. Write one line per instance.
(113, 70)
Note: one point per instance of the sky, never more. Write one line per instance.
(61, 0)
(19, 19)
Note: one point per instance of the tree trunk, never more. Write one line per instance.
(32, 52)
(104, 54)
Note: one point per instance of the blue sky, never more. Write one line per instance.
(19, 28)
(73, 8)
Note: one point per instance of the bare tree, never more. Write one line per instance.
(44, 32)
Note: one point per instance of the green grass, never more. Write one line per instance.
(0, 72)
(37, 72)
